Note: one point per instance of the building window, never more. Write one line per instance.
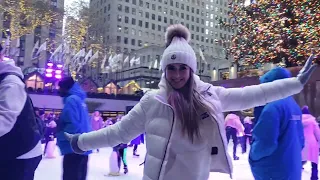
(119, 7)
(119, 18)
(133, 31)
(153, 16)
(126, 19)
(139, 43)
(133, 42)
(126, 30)
(125, 40)
(35, 82)
(133, 21)
(126, 9)
(133, 11)
(147, 25)
(119, 28)
(118, 38)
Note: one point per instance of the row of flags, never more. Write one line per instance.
(63, 54)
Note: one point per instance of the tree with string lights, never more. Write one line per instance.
(21, 17)
(277, 31)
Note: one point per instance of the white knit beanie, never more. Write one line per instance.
(178, 49)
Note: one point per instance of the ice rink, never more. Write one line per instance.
(50, 169)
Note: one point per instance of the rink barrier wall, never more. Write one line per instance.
(55, 102)
(309, 96)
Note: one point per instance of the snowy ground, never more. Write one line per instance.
(50, 169)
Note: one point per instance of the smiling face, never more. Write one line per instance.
(177, 75)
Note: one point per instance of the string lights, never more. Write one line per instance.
(275, 31)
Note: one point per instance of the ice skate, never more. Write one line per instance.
(135, 154)
(125, 169)
(235, 158)
(114, 174)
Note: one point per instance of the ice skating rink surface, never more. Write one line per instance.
(51, 169)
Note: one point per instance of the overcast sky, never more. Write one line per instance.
(68, 2)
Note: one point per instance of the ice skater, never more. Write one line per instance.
(277, 136)
(96, 122)
(20, 134)
(74, 118)
(310, 151)
(183, 120)
(135, 143)
(234, 128)
(248, 126)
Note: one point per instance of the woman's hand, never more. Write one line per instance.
(73, 139)
(307, 70)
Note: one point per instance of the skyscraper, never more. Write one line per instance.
(129, 25)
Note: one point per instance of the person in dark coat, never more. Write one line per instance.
(248, 126)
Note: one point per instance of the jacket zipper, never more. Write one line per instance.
(172, 124)
(220, 136)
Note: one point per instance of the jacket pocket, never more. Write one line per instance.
(193, 165)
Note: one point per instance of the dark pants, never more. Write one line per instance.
(314, 170)
(244, 142)
(232, 133)
(19, 169)
(75, 167)
(47, 140)
(135, 147)
(122, 156)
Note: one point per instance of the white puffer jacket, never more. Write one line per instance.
(155, 116)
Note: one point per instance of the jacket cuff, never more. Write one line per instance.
(74, 144)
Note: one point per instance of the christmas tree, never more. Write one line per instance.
(274, 31)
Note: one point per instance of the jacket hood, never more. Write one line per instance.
(232, 117)
(308, 119)
(275, 74)
(10, 67)
(77, 90)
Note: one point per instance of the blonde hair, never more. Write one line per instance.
(187, 105)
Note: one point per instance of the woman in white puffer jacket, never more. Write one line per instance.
(183, 120)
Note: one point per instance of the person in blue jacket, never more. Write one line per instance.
(74, 118)
(277, 136)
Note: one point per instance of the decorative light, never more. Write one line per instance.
(58, 71)
(50, 64)
(279, 31)
(6, 59)
(49, 70)
(48, 75)
(58, 76)
(59, 66)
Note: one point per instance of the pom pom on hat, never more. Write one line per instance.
(178, 49)
(176, 30)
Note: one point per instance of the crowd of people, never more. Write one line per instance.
(183, 122)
